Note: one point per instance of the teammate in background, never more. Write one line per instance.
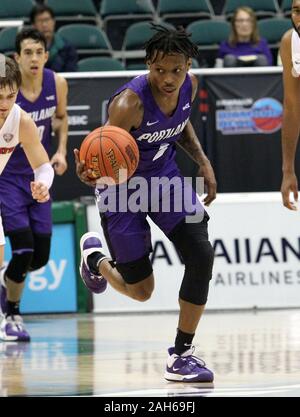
(17, 127)
(28, 224)
(158, 106)
(62, 55)
(291, 107)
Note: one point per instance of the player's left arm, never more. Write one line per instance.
(37, 157)
(60, 125)
(191, 144)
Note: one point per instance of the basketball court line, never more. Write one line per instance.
(205, 392)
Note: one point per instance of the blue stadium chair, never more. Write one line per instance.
(70, 11)
(286, 7)
(133, 67)
(7, 40)
(87, 39)
(102, 63)
(118, 15)
(262, 8)
(273, 29)
(139, 33)
(208, 34)
(15, 9)
(183, 12)
(195, 63)
(135, 37)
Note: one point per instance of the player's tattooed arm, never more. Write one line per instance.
(190, 143)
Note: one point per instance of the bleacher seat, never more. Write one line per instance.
(262, 8)
(208, 34)
(100, 64)
(71, 11)
(143, 66)
(273, 29)
(7, 40)
(183, 12)
(195, 63)
(132, 66)
(286, 7)
(139, 33)
(87, 39)
(119, 15)
(13, 9)
(135, 37)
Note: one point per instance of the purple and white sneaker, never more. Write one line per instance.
(12, 329)
(90, 242)
(186, 367)
(2, 292)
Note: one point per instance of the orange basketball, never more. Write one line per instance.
(110, 152)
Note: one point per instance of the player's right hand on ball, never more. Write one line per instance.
(39, 191)
(82, 172)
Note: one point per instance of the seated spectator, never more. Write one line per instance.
(244, 47)
(62, 55)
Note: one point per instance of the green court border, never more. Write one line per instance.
(74, 212)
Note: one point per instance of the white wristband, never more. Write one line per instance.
(44, 173)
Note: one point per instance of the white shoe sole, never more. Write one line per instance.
(178, 378)
(87, 252)
(6, 338)
(88, 235)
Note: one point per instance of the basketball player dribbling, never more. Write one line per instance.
(290, 56)
(17, 127)
(155, 108)
(28, 224)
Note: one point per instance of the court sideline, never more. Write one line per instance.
(251, 353)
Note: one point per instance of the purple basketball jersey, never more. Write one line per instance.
(41, 111)
(158, 133)
(127, 231)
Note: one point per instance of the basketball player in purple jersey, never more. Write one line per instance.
(155, 108)
(28, 224)
(17, 127)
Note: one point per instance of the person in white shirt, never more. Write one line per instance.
(17, 127)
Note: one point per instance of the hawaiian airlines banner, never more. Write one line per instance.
(257, 252)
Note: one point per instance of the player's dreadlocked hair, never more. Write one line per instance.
(169, 41)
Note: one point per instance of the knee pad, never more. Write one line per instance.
(192, 244)
(41, 252)
(198, 273)
(135, 271)
(22, 253)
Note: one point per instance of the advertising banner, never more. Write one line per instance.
(243, 129)
(237, 117)
(52, 289)
(257, 252)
